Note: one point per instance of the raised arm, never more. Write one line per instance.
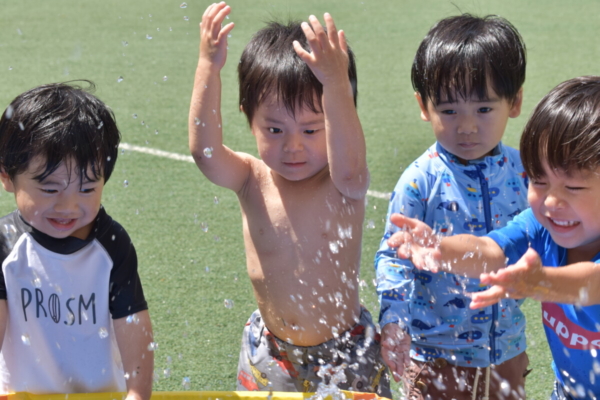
(346, 150)
(573, 284)
(134, 340)
(220, 164)
(460, 254)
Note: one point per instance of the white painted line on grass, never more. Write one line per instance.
(181, 157)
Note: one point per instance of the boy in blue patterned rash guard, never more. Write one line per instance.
(73, 317)
(468, 75)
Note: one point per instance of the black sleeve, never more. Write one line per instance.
(125, 291)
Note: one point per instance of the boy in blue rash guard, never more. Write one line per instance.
(560, 148)
(468, 75)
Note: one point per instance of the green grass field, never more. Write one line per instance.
(142, 56)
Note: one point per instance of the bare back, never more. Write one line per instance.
(303, 241)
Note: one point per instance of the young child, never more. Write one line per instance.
(73, 317)
(561, 152)
(468, 75)
(302, 203)
(560, 148)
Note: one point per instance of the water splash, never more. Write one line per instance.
(183, 5)
(119, 79)
(152, 346)
(208, 152)
(334, 375)
(228, 303)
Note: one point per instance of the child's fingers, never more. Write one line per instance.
(487, 297)
(303, 54)
(332, 31)
(225, 30)
(342, 41)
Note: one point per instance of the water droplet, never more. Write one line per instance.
(165, 78)
(156, 132)
(183, 5)
(126, 376)
(103, 333)
(143, 123)
(36, 281)
(25, 339)
(207, 269)
(134, 116)
(9, 112)
(197, 121)
(125, 183)
(152, 346)
(186, 18)
(216, 200)
(370, 224)
(208, 152)
(334, 247)
(186, 383)
(228, 303)
(9, 68)
(124, 43)
(113, 237)
(133, 318)
(204, 226)
(167, 372)
(148, 37)
(119, 79)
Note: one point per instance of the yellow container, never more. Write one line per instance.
(188, 395)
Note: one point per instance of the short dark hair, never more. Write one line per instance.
(459, 54)
(270, 65)
(59, 122)
(564, 129)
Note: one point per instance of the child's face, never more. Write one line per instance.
(470, 129)
(567, 205)
(294, 148)
(57, 206)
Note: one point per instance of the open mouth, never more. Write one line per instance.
(563, 223)
(62, 224)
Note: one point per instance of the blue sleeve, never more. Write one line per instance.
(518, 235)
(395, 276)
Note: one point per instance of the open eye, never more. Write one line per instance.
(484, 110)
(448, 112)
(274, 130)
(310, 131)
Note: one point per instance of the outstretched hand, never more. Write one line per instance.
(328, 58)
(523, 279)
(416, 241)
(395, 348)
(213, 36)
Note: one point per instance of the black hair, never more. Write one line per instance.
(564, 129)
(460, 54)
(60, 122)
(270, 65)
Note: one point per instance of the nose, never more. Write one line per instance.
(293, 142)
(553, 201)
(467, 124)
(66, 203)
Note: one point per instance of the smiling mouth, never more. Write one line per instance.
(62, 223)
(563, 223)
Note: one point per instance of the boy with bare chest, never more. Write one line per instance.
(302, 202)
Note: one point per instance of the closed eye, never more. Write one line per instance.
(49, 191)
(448, 112)
(87, 190)
(575, 188)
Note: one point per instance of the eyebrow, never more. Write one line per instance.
(309, 122)
(488, 100)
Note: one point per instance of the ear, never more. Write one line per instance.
(515, 109)
(7, 183)
(424, 112)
